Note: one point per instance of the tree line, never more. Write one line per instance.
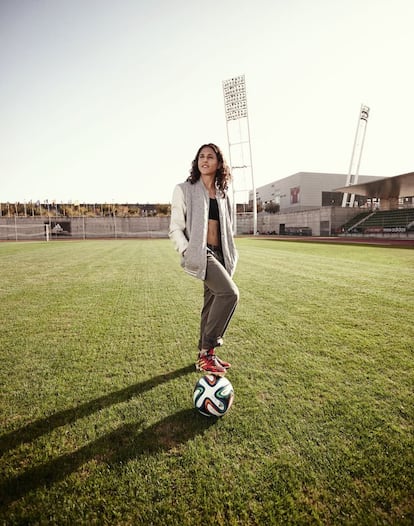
(77, 209)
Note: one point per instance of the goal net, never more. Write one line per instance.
(19, 232)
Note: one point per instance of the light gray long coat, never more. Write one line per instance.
(189, 223)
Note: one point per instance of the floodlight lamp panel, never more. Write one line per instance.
(364, 112)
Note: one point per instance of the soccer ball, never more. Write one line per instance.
(213, 395)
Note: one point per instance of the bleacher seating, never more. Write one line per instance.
(383, 220)
(355, 220)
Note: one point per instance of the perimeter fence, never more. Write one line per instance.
(32, 228)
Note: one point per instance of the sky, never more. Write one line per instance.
(109, 100)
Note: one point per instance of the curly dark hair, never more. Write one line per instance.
(223, 175)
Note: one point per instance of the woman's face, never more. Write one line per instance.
(207, 161)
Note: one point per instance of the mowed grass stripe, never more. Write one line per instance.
(97, 348)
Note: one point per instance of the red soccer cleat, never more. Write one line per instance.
(209, 363)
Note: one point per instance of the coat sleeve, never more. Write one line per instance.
(177, 231)
(230, 210)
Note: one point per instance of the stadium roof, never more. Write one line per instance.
(389, 187)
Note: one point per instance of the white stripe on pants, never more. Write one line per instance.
(221, 296)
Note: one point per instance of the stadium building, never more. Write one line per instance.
(309, 203)
(306, 191)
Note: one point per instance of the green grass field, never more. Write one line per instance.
(98, 341)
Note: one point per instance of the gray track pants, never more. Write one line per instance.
(221, 296)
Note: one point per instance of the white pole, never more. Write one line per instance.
(113, 215)
(235, 106)
(232, 184)
(253, 185)
(352, 177)
(352, 199)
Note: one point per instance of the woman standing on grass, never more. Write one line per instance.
(201, 230)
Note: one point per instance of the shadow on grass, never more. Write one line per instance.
(126, 443)
(47, 424)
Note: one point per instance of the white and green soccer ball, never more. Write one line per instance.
(213, 395)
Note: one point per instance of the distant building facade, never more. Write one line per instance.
(306, 191)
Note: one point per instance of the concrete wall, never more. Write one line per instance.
(322, 221)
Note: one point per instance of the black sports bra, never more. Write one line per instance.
(213, 212)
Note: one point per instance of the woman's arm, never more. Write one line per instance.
(177, 222)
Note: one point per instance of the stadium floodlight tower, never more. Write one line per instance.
(356, 154)
(238, 138)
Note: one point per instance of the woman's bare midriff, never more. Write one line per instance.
(213, 233)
